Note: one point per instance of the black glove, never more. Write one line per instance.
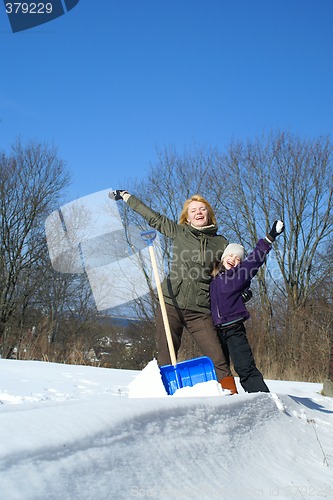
(117, 194)
(277, 228)
(246, 295)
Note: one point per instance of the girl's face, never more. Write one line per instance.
(230, 261)
(197, 214)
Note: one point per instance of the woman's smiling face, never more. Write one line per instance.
(197, 214)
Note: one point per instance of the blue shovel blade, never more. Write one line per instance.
(187, 373)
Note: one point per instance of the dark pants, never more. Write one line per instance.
(236, 346)
(200, 327)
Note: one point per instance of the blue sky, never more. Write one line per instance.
(111, 81)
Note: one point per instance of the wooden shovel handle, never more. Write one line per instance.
(163, 308)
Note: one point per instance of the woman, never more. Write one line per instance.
(196, 246)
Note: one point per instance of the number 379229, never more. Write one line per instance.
(28, 8)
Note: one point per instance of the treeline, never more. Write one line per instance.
(52, 316)
(250, 184)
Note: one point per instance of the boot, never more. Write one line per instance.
(229, 383)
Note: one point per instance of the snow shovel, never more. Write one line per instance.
(185, 373)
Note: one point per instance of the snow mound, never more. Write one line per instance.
(148, 384)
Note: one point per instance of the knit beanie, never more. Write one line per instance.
(235, 249)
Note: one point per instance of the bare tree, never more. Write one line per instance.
(32, 180)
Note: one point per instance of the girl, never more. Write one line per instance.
(231, 277)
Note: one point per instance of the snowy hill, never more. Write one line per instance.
(77, 432)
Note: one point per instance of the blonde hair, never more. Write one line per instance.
(217, 267)
(197, 197)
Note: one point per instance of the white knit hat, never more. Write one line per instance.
(235, 249)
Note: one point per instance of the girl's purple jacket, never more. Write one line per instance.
(226, 301)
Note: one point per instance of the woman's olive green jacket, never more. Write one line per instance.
(194, 251)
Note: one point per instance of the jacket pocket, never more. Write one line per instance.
(203, 295)
(171, 287)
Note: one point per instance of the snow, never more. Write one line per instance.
(80, 432)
